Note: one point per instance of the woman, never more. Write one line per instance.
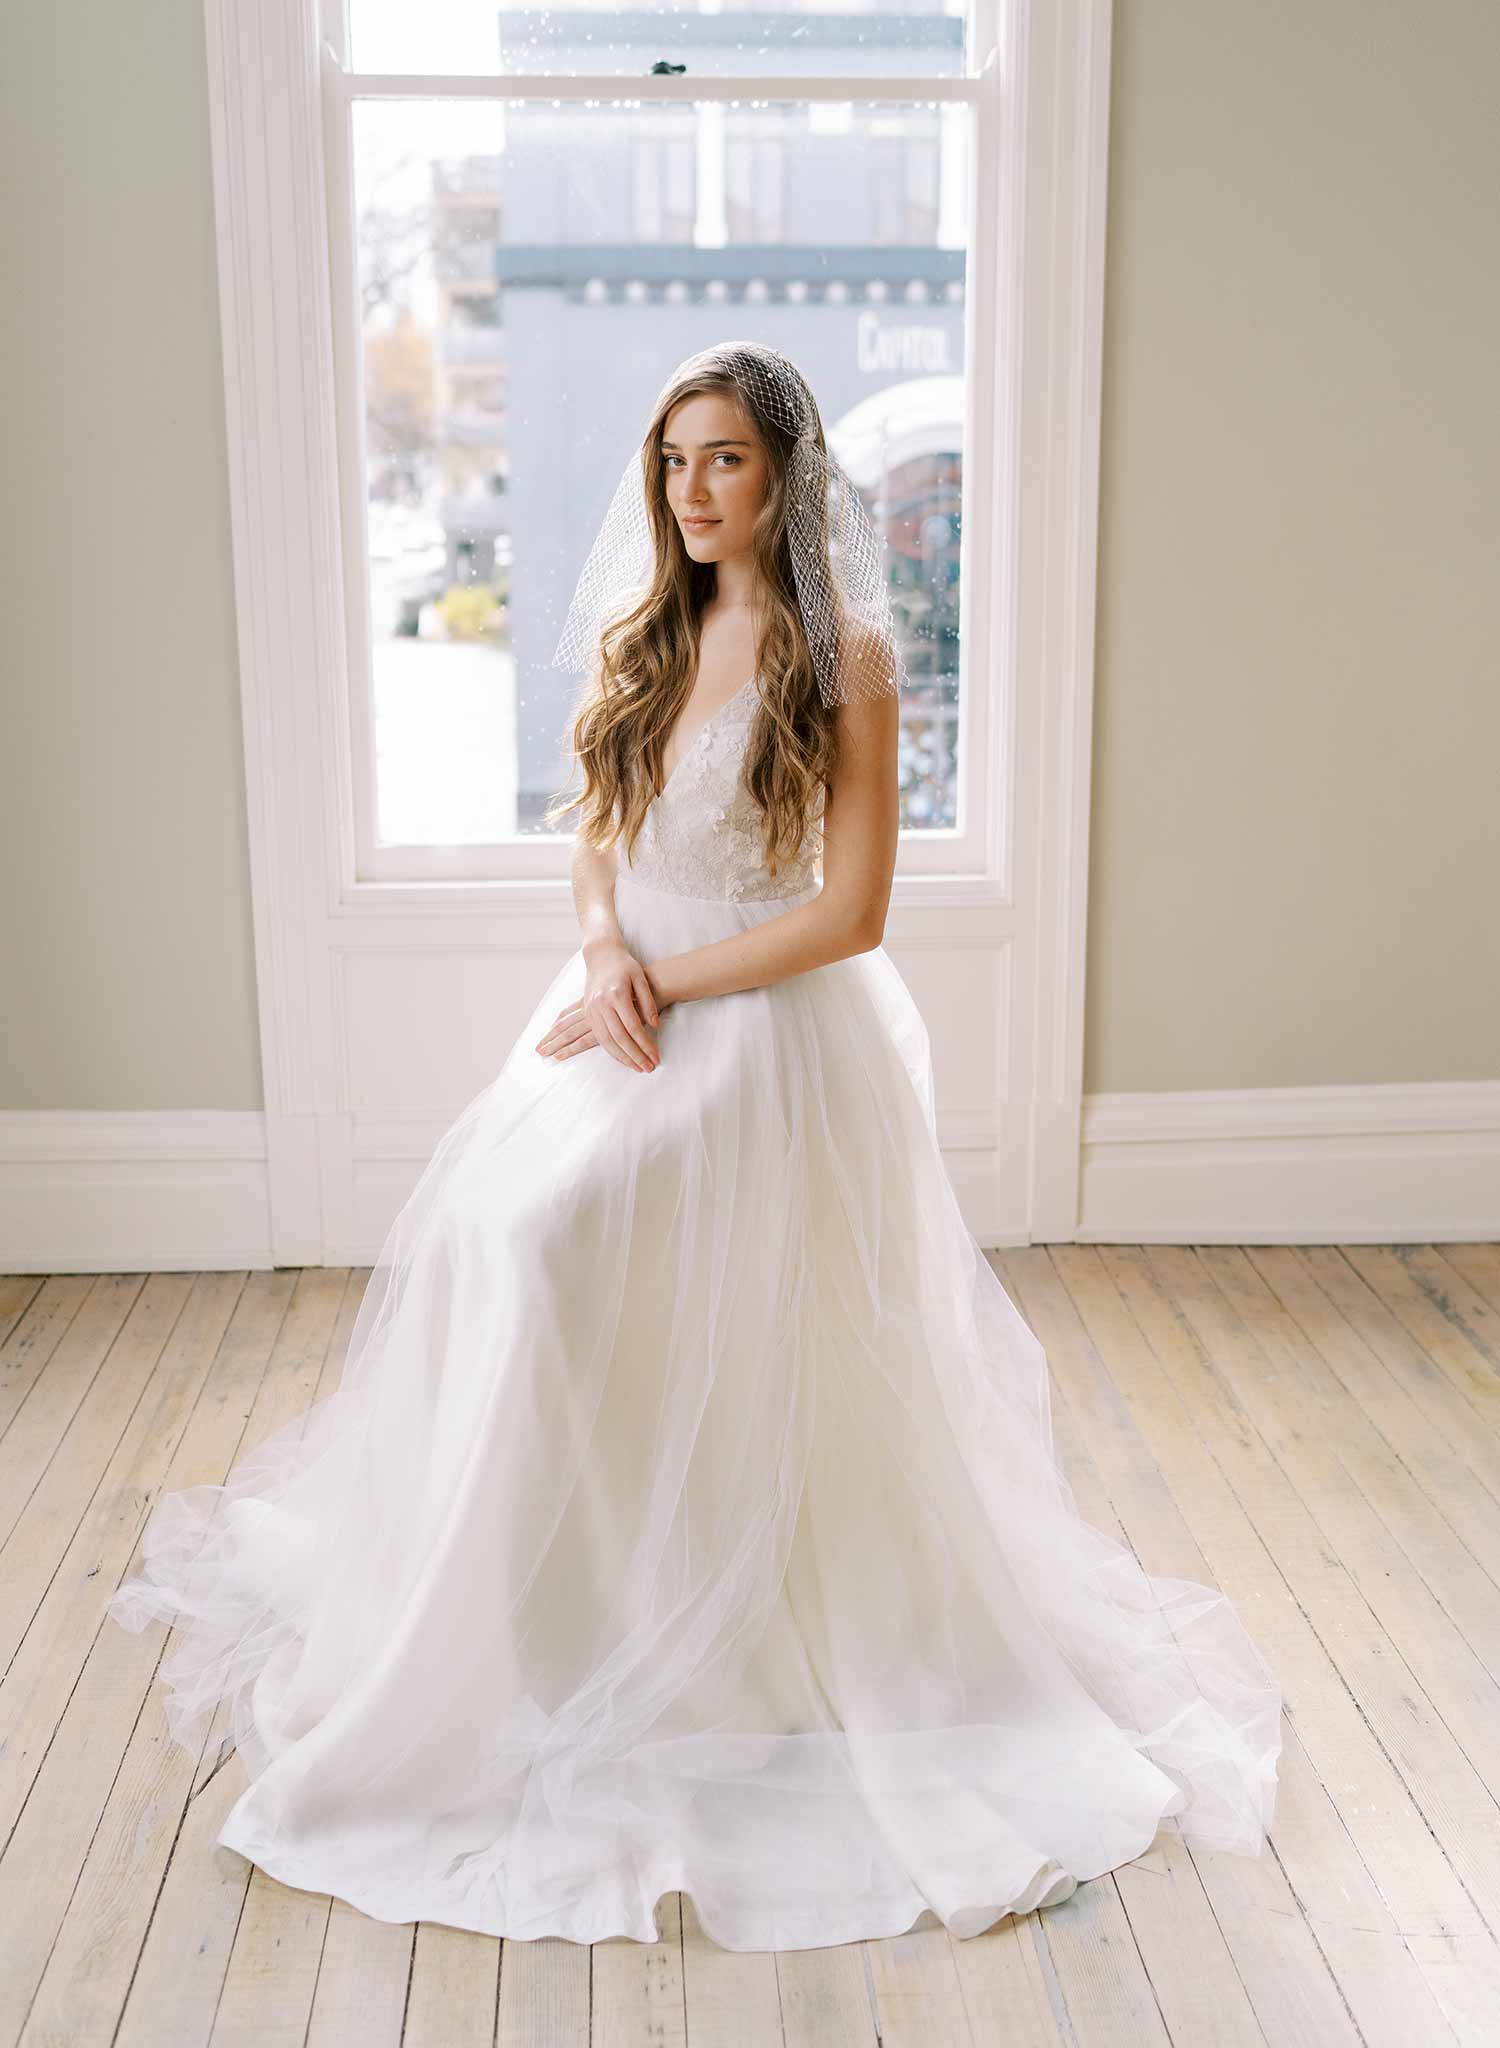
(687, 1515)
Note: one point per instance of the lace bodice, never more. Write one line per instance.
(704, 834)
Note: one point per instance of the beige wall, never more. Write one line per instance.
(1294, 849)
(126, 954)
(1297, 757)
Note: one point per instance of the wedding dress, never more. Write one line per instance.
(687, 1515)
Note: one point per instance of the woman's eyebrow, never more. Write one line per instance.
(707, 444)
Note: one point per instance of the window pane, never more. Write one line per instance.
(530, 277)
(903, 38)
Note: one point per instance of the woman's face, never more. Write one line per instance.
(716, 473)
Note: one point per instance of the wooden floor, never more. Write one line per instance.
(1316, 1431)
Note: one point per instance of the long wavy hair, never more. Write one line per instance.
(648, 658)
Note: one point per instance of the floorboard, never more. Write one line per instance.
(1315, 1430)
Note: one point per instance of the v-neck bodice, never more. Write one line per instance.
(704, 833)
(728, 704)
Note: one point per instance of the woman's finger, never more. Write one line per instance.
(645, 997)
(599, 1009)
(637, 1031)
(616, 1040)
(576, 1046)
(624, 1012)
(563, 1017)
(607, 1019)
(573, 1038)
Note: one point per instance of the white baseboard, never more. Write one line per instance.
(148, 1191)
(188, 1190)
(1403, 1163)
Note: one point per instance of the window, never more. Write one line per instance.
(529, 260)
(428, 365)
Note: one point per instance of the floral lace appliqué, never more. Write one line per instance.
(703, 836)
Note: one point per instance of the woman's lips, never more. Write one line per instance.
(700, 522)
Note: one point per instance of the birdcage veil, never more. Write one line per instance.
(838, 559)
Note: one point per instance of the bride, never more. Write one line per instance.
(687, 1515)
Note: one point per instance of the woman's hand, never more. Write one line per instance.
(618, 1010)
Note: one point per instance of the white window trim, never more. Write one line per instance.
(1031, 606)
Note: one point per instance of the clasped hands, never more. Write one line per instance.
(618, 1010)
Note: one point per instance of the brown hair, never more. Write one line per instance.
(648, 657)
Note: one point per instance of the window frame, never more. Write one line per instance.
(281, 204)
(957, 850)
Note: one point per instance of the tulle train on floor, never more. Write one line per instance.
(687, 1517)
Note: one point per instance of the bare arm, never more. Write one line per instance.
(861, 821)
(618, 1004)
(594, 895)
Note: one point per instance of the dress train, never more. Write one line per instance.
(688, 1515)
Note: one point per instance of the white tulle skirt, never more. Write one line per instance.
(687, 1518)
